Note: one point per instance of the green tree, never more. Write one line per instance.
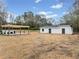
(18, 20)
(34, 21)
(73, 17)
(71, 20)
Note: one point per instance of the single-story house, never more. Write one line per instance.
(57, 29)
(13, 29)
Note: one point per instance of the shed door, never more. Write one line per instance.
(63, 31)
(49, 30)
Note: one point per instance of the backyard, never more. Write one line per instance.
(39, 46)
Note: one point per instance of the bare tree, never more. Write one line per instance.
(3, 13)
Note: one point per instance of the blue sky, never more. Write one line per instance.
(50, 8)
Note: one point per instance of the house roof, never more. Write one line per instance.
(57, 26)
(14, 26)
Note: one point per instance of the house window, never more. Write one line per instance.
(7, 32)
(14, 32)
(49, 30)
(63, 31)
(11, 32)
(43, 30)
(4, 32)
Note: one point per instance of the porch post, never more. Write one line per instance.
(28, 30)
(20, 30)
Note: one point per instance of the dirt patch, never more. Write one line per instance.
(39, 46)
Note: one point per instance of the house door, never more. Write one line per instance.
(49, 30)
(63, 31)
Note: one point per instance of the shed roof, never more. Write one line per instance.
(14, 26)
(57, 26)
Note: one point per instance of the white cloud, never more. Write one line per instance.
(65, 12)
(57, 6)
(42, 13)
(34, 7)
(51, 16)
(47, 14)
(37, 1)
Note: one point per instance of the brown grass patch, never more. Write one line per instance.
(39, 46)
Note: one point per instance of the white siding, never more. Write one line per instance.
(57, 30)
(45, 30)
(5, 32)
(68, 30)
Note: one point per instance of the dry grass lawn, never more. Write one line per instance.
(39, 46)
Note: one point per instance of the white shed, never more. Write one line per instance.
(13, 29)
(59, 29)
(7, 32)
